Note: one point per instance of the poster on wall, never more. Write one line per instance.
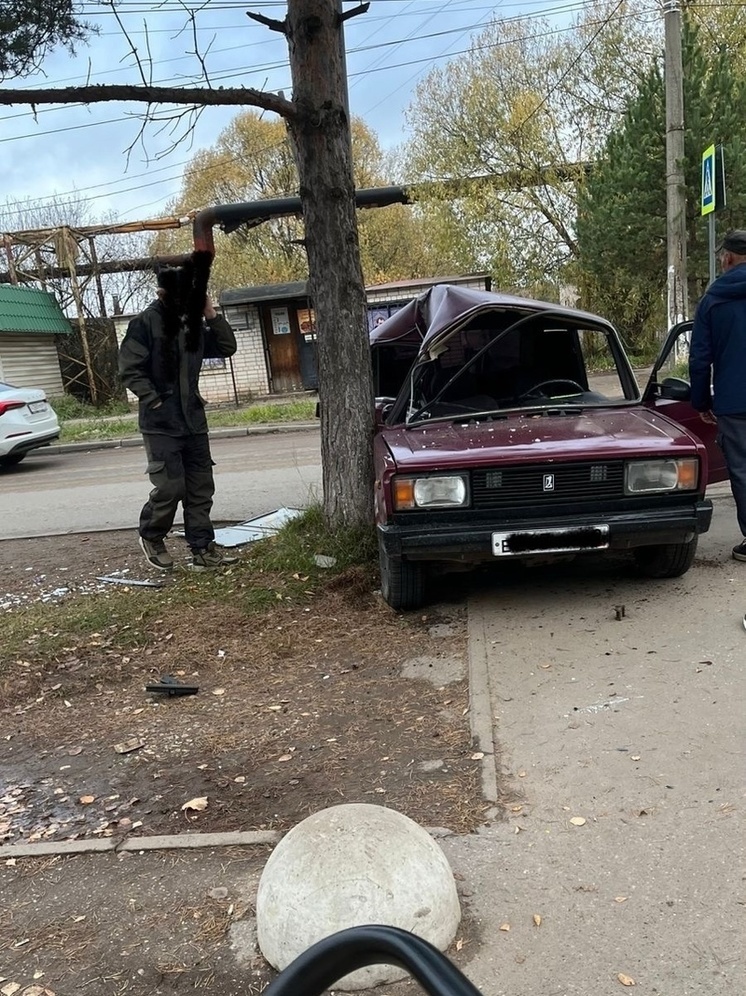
(307, 324)
(280, 321)
(378, 315)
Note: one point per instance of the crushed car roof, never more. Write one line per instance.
(440, 307)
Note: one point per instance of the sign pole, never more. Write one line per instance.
(711, 230)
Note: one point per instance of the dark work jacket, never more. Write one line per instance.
(156, 368)
(718, 347)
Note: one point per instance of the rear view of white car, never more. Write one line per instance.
(27, 421)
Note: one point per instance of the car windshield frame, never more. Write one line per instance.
(432, 346)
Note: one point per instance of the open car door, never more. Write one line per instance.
(670, 394)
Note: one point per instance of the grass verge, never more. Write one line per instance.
(105, 427)
(91, 628)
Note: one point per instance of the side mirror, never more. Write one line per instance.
(383, 407)
(676, 389)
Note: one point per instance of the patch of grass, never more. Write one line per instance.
(81, 432)
(276, 570)
(68, 407)
(105, 427)
(270, 412)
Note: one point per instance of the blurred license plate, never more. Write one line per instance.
(563, 540)
(37, 406)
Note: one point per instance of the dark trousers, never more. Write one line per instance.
(732, 439)
(180, 470)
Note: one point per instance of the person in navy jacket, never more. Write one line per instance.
(717, 366)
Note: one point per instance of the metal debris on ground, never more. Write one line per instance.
(323, 561)
(172, 686)
(260, 527)
(127, 746)
(130, 581)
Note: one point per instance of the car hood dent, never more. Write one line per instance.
(589, 435)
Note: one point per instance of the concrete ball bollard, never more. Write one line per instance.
(351, 865)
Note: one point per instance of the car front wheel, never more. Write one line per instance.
(669, 560)
(402, 581)
(12, 459)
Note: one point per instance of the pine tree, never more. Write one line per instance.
(622, 207)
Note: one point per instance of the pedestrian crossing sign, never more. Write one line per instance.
(708, 180)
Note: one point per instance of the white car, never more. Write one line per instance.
(27, 421)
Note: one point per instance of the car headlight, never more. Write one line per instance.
(429, 492)
(645, 476)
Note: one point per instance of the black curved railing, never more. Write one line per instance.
(322, 965)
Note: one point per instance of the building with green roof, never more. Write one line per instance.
(29, 321)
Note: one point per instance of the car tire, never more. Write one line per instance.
(402, 581)
(12, 459)
(669, 560)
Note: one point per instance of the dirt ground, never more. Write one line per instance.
(299, 707)
(142, 924)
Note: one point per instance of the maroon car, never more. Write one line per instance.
(511, 428)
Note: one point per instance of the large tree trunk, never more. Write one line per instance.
(320, 130)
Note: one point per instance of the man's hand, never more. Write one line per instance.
(210, 311)
(708, 417)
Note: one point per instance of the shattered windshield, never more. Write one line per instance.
(494, 365)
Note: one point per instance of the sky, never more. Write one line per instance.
(81, 153)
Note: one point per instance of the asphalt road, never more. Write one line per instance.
(105, 489)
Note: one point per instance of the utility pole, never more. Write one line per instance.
(678, 305)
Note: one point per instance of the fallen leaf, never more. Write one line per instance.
(79, 919)
(218, 691)
(87, 799)
(521, 774)
(11, 989)
(626, 980)
(199, 804)
(578, 821)
(459, 943)
(537, 919)
(635, 757)
(516, 809)
(504, 926)
(240, 779)
(10, 863)
(285, 757)
(74, 751)
(545, 666)
(621, 899)
(477, 755)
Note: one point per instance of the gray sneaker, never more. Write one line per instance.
(211, 558)
(156, 554)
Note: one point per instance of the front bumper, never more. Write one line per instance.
(437, 538)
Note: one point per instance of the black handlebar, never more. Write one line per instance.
(322, 965)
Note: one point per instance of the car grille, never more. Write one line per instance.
(540, 484)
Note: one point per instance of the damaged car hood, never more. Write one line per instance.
(598, 434)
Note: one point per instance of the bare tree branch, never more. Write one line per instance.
(133, 47)
(273, 25)
(229, 96)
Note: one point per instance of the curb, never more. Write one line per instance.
(480, 706)
(166, 842)
(133, 441)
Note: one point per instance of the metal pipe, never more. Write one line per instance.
(253, 213)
